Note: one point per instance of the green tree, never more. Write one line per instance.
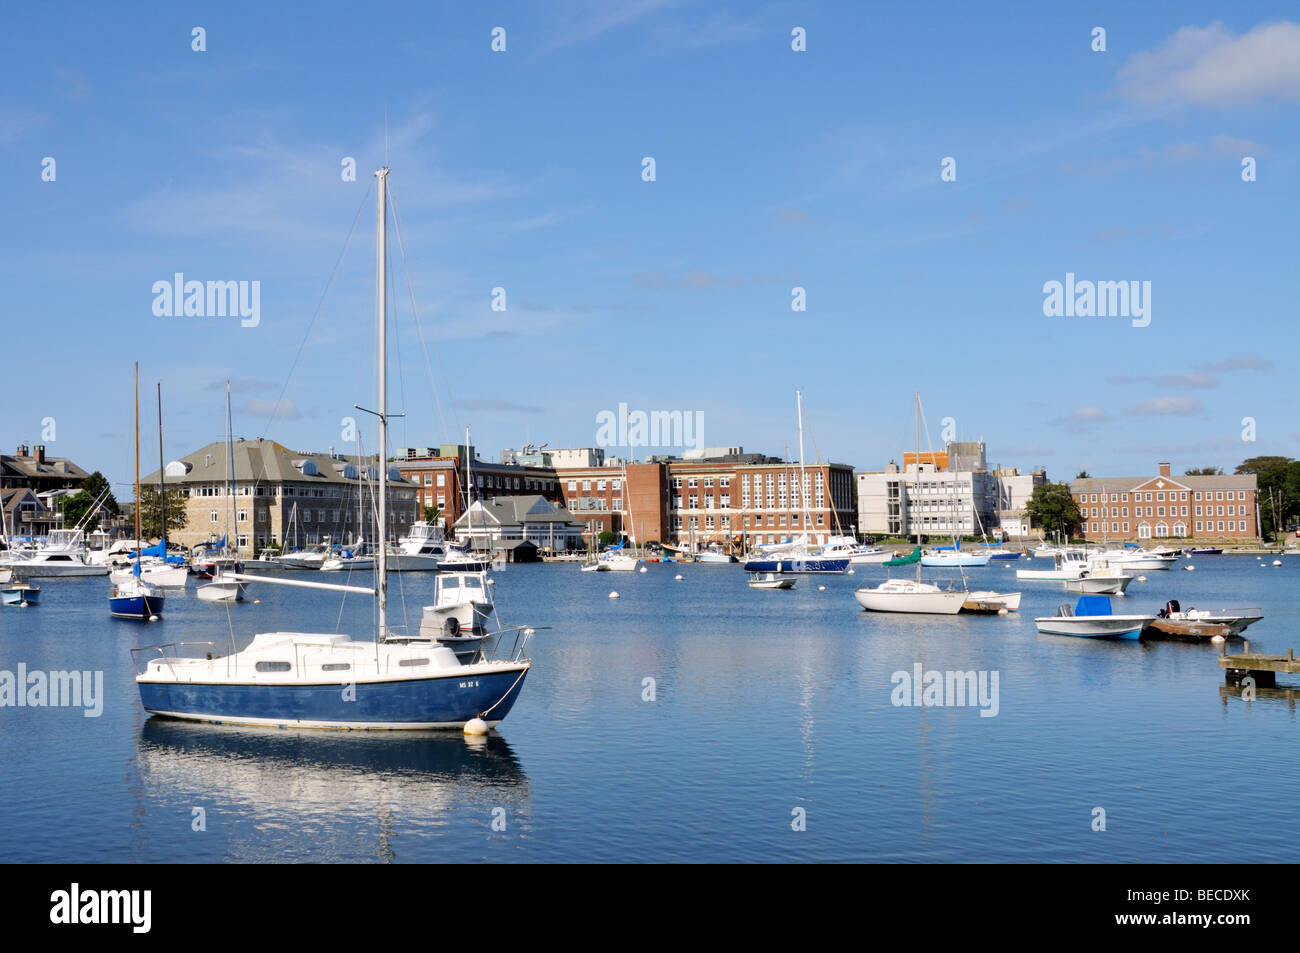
(1204, 471)
(1083, 475)
(76, 508)
(1053, 508)
(607, 538)
(1278, 483)
(431, 513)
(151, 513)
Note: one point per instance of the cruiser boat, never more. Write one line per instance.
(714, 555)
(1091, 617)
(304, 559)
(64, 554)
(1142, 559)
(1067, 564)
(1100, 578)
(420, 550)
(859, 554)
(462, 607)
(296, 679)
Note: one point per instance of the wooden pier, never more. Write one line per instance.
(1262, 668)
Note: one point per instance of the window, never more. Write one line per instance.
(273, 666)
(573, 485)
(412, 662)
(600, 485)
(336, 666)
(708, 483)
(241, 516)
(1160, 497)
(1198, 524)
(1218, 495)
(212, 516)
(693, 482)
(1220, 526)
(586, 486)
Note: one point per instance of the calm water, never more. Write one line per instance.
(765, 702)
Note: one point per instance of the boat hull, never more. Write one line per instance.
(445, 701)
(920, 603)
(135, 607)
(797, 564)
(1095, 627)
(1099, 585)
(953, 562)
(407, 562)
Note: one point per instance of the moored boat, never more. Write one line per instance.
(770, 580)
(1091, 617)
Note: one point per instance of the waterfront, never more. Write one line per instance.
(764, 702)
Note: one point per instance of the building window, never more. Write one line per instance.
(212, 516)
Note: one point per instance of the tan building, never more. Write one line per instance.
(1211, 508)
(282, 496)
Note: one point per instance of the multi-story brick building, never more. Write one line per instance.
(438, 473)
(282, 496)
(1219, 508)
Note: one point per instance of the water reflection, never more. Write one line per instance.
(330, 795)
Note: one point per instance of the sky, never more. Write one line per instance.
(774, 169)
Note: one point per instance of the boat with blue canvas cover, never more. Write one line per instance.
(1091, 617)
(388, 681)
(132, 597)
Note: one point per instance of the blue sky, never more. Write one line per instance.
(775, 169)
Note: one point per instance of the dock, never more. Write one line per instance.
(1262, 668)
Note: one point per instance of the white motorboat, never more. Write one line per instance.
(1067, 564)
(1100, 585)
(304, 559)
(420, 550)
(63, 554)
(221, 589)
(771, 580)
(857, 553)
(1141, 559)
(464, 560)
(1091, 617)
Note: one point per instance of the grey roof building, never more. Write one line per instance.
(531, 517)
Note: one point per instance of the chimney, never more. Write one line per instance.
(40, 453)
(1164, 469)
(22, 450)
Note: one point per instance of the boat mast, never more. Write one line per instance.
(916, 413)
(162, 488)
(137, 464)
(230, 468)
(381, 294)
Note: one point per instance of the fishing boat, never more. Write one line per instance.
(331, 680)
(19, 594)
(1091, 617)
(63, 554)
(771, 580)
(422, 549)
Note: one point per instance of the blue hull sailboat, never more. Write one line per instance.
(133, 598)
(315, 680)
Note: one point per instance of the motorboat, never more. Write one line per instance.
(714, 556)
(463, 559)
(221, 589)
(770, 580)
(1236, 620)
(462, 607)
(858, 554)
(422, 549)
(1091, 617)
(307, 559)
(1140, 559)
(357, 557)
(1101, 578)
(62, 554)
(19, 594)
(1067, 564)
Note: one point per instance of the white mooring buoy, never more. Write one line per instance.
(476, 726)
(1216, 638)
(1189, 568)
(643, 569)
(821, 588)
(1142, 578)
(678, 576)
(613, 595)
(1277, 562)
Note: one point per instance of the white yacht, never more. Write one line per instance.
(420, 550)
(1067, 564)
(909, 595)
(63, 554)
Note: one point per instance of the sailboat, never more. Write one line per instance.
(222, 589)
(134, 598)
(905, 595)
(154, 566)
(797, 555)
(332, 680)
(462, 558)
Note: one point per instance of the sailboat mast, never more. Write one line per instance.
(230, 469)
(381, 291)
(162, 488)
(137, 463)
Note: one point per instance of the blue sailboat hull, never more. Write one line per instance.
(1004, 556)
(135, 607)
(800, 564)
(447, 701)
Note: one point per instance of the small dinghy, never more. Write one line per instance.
(987, 601)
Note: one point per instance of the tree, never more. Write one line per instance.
(607, 538)
(1053, 508)
(1083, 475)
(431, 514)
(79, 506)
(1278, 483)
(1204, 471)
(151, 515)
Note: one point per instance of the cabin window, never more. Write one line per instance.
(412, 662)
(336, 666)
(273, 666)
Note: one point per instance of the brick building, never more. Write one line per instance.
(1211, 508)
(438, 473)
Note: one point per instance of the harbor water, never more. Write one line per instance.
(688, 720)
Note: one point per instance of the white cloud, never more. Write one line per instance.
(1212, 66)
(1169, 406)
